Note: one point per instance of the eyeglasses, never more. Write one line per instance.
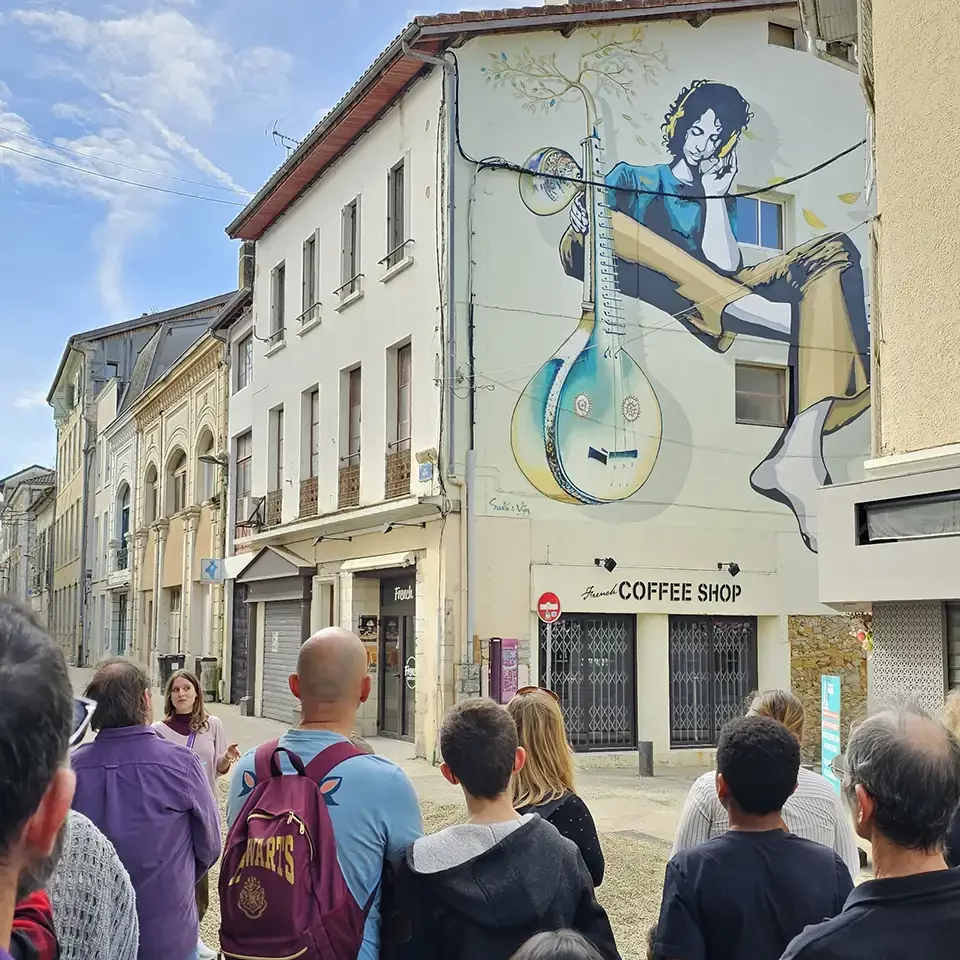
(838, 766)
(523, 691)
(83, 710)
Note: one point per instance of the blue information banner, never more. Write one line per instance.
(830, 726)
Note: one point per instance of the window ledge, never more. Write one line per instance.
(307, 327)
(349, 300)
(761, 423)
(396, 269)
(276, 348)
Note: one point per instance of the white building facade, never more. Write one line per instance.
(621, 400)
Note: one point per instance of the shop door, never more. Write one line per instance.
(240, 643)
(282, 639)
(594, 674)
(713, 669)
(397, 658)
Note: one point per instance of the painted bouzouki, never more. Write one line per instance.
(587, 428)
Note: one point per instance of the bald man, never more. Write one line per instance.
(373, 806)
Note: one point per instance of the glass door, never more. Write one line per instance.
(391, 676)
(408, 693)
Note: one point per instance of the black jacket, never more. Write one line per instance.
(569, 814)
(486, 908)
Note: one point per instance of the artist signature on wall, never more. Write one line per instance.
(515, 508)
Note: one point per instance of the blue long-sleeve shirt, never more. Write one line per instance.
(152, 800)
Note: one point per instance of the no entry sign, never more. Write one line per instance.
(548, 608)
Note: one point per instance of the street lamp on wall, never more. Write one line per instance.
(732, 568)
(608, 563)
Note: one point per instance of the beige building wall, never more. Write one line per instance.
(184, 412)
(915, 56)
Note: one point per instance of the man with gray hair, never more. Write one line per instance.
(901, 778)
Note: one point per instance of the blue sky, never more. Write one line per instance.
(185, 89)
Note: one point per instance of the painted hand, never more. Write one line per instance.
(717, 176)
(578, 215)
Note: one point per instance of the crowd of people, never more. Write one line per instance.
(105, 846)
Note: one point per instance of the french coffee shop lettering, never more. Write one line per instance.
(671, 591)
(403, 593)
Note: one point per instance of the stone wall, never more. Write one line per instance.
(818, 646)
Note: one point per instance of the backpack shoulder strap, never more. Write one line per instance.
(327, 759)
(261, 760)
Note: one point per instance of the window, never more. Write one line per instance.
(244, 465)
(713, 667)
(350, 249)
(403, 398)
(96, 555)
(759, 223)
(206, 468)
(761, 395)
(245, 361)
(311, 280)
(276, 444)
(909, 518)
(151, 494)
(174, 607)
(278, 296)
(353, 418)
(780, 36)
(123, 520)
(106, 463)
(177, 482)
(315, 433)
(396, 226)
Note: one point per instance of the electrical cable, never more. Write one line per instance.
(132, 183)
(498, 164)
(117, 163)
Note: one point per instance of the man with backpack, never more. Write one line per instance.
(312, 820)
(479, 890)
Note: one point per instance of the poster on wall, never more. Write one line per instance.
(829, 727)
(367, 627)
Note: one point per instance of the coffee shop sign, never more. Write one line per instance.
(673, 592)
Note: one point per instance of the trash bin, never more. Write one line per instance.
(169, 663)
(208, 673)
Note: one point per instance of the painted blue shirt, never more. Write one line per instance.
(373, 808)
(677, 219)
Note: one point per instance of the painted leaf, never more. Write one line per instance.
(773, 181)
(813, 220)
(848, 198)
(503, 57)
(750, 135)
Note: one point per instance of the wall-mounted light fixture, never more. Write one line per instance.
(387, 527)
(732, 568)
(321, 538)
(608, 563)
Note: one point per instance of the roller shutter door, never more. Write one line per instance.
(282, 639)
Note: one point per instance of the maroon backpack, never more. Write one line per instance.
(282, 893)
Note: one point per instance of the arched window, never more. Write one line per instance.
(123, 513)
(206, 466)
(177, 483)
(151, 494)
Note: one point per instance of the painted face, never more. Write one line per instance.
(184, 696)
(703, 139)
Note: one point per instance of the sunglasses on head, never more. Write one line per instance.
(83, 709)
(525, 690)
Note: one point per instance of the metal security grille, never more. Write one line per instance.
(282, 639)
(594, 674)
(953, 643)
(713, 667)
(241, 643)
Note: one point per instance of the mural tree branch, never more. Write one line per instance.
(610, 65)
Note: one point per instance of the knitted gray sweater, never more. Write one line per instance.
(94, 904)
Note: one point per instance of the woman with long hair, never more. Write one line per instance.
(951, 720)
(813, 812)
(545, 783)
(187, 723)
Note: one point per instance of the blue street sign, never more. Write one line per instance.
(829, 727)
(426, 472)
(211, 571)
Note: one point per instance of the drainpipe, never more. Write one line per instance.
(85, 504)
(450, 360)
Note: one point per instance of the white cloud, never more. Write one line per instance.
(31, 399)
(149, 87)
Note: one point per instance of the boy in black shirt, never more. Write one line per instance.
(747, 894)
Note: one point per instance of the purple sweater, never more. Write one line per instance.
(152, 800)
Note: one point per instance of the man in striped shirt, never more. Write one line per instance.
(813, 812)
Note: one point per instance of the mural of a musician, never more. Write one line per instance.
(668, 231)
